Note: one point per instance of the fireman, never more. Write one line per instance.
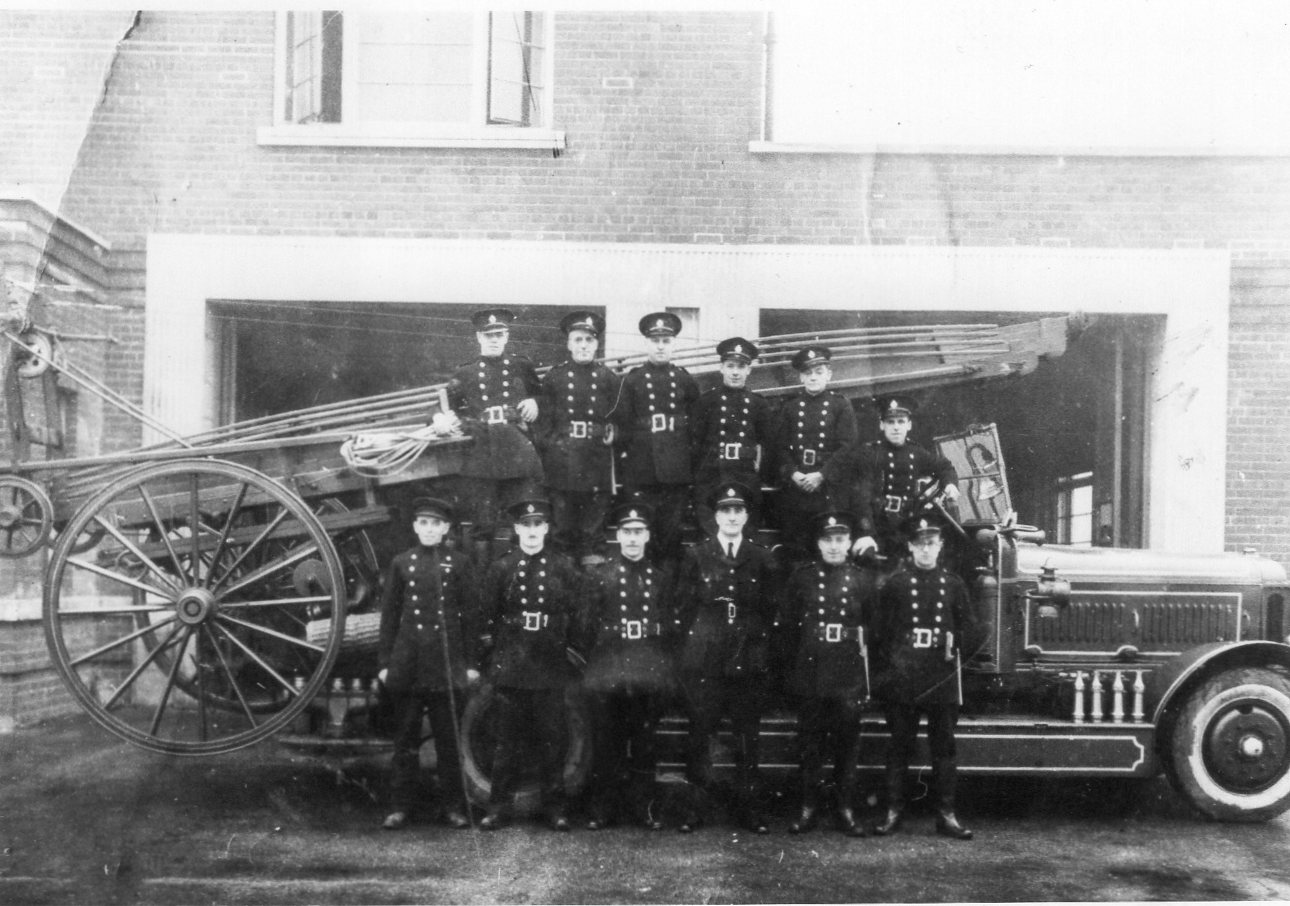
(578, 395)
(428, 637)
(531, 597)
(730, 430)
(727, 589)
(924, 618)
(813, 426)
(652, 425)
(495, 396)
(892, 479)
(629, 675)
(829, 603)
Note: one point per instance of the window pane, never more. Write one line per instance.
(415, 67)
(313, 43)
(515, 92)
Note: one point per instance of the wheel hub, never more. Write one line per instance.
(1247, 748)
(195, 605)
(9, 516)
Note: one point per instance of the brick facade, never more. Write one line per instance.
(658, 109)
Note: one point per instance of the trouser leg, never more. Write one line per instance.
(510, 727)
(609, 763)
(405, 766)
(702, 701)
(846, 751)
(745, 716)
(550, 731)
(446, 725)
(941, 720)
(902, 724)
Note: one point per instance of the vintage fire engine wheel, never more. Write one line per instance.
(165, 635)
(26, 516)
(480, 740)
(1230, 749)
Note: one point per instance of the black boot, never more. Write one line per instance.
(810, 814)
(895, 802)
(945, 777)
(847, 822)
(889, 824)
(947, 825)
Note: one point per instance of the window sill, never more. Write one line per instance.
(339, 135)
(825, 147)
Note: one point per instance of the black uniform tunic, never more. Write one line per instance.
(886, 481)
(631, 617)
(429, 620)
(576, 402)
(728, 608)
(532, 604)
(830, 605)
(726, 427)
(923, 616)
(485, 393)
(810, 431)
(652, 420)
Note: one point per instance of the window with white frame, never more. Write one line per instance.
(452, 77)
(1075, 510)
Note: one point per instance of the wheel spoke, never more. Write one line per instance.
(275, 602)
(153, 627)
(204, 731)
(228, 527)
(114, 611)
(271, 632)
(259, 660)
(194, 525)
(237, 690)
(161, 529)
(170, 682)
(271, 567)
(134, 549)
(143, 665)
(124, 580)
(277, 520)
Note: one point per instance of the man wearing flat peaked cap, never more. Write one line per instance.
(576, 435)
(652, 424)
(495, 396)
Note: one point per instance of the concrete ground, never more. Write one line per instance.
(87, 819)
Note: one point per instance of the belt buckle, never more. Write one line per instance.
(495, 415)
(658, 422)
(808, 457)
(922, 637)
(579, 429)
(732, 611)
(832, 632)
(730, 451)
(894, 504)
(635, 629)
(532, 620)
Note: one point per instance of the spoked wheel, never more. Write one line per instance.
(180, 632)
(26, 516)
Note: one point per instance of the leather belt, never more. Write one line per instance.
(637, 629)
(585, 429)
(836, 632)
(532, 620)
(921, 637)
(500, 415)
(661, 422)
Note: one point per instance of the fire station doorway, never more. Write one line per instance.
(1072, 432)
(279, 357)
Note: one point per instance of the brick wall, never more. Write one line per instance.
(658, 109)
